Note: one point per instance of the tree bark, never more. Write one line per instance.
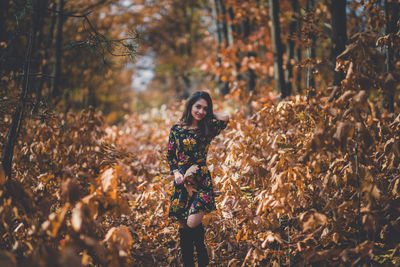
(310, 5)
(227, 36)
(290, 57)
(19, 112)
(58, 51)
(277, 47)
(392, 10)
(224, 23)
(298, 54)
(45, 67)
(4, 5)
(216, 14)
(339, 36)
(43, 44)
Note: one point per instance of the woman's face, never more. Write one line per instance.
(199, 109)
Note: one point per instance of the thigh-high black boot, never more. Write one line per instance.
(198, 237)
(186, 243)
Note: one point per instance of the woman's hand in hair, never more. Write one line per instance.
(221, 116)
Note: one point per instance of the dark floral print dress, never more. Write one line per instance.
(186, 147)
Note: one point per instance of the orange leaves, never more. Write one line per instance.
(121, 237)
(313, 220)
(108, 180)
(55, 221)
(2, 175)
(342, 131)
(242, 235)
(70, 191)
(109, 189)
(77, 217)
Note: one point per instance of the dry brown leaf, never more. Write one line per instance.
(121, 236)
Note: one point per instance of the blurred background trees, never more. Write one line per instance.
(227, 45)
(312, 86)
(66, 55)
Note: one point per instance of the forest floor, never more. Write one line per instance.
(298, 183)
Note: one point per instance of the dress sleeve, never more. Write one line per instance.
(171, 155)
(219, 125)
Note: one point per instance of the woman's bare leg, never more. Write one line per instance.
(195, 219)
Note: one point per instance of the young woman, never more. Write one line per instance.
(193, 194)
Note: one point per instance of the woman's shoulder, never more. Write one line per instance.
(176, 126)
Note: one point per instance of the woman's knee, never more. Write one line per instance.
(192, 223)
(194, 220)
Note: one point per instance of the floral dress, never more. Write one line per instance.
(186, 147)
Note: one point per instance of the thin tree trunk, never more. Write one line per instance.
(298, 54)
(310, 5)
(187, 84)
(277, 46)
(251, 84)
(58, 51)
(227, 33)
(392, 10)
(339, 36)
(299, 69)
(238, 29)
(45, 44)
(220, 33)
(188, 11)
(92, 95)
(4, 5)
(224, 23)
(251, 75)
(45, 67)
(216, 13)
(19, 112)
(290, 57)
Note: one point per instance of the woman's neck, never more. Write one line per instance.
(194, 125)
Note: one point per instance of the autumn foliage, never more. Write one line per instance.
(309, 183)
(312, 179)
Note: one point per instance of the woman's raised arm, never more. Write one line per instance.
(221, 116)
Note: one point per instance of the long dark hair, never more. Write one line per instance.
(205, 125)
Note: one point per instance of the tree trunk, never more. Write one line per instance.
(227, 34)
(224, 23)
(187, 85)
(4, 5)
(44, 45)
(299, 70)
(188, 11)
(310, 5)
(392, 10)
(45, 67)
(58, 51)
(91, 96)
(238, 29)
(298, 54)
(339, 36)
(218, 27)
(277, 47)
(19, 112)
(290, 57)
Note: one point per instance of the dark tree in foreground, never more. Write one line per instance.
(310, 6)
(277, 46)
(339, 36)
(290, 47)
(392, 10)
